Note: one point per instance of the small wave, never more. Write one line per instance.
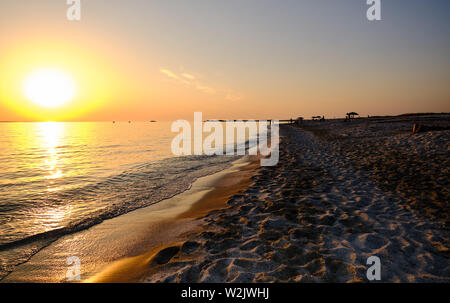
(135, 188)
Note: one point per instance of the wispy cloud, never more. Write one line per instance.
(193, 81)
(205, 89)
(188, 76)
(168, 73)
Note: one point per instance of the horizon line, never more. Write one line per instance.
(216, 119)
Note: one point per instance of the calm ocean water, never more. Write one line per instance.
(57, 178)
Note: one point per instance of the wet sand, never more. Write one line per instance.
(104, 247)
(134, 269)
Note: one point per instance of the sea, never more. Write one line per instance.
(58, 178)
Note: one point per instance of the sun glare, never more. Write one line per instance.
(49, 87)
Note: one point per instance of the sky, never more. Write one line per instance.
(229, 59)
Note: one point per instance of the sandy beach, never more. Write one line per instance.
(341, 193)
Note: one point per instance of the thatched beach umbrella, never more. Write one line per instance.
(352, 115)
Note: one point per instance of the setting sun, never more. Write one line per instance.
(49, 87)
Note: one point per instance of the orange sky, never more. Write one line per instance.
(140, 60)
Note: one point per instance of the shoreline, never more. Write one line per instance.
(134, 269)
(131, 234)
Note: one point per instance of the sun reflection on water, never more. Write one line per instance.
(50, 134)
(51, 217)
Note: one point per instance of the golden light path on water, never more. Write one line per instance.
(49, 137)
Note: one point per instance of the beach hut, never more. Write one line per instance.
(351, 115)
